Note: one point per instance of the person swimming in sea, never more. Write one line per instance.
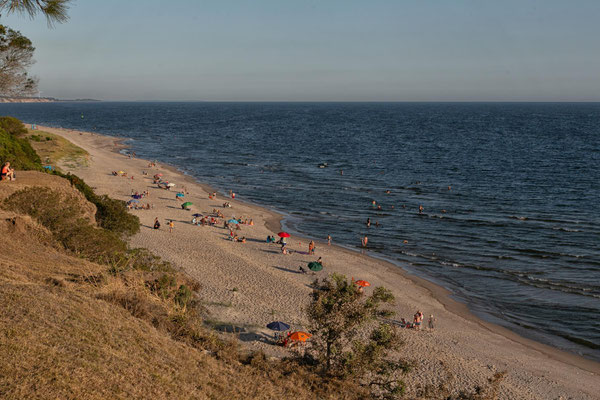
(368, 222)
(421, 209)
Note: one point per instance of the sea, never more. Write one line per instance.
(510, 191)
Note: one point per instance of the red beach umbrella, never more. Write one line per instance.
(283, 234)
(362, 283)
(301, 336)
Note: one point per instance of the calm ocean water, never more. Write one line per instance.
(517, 236)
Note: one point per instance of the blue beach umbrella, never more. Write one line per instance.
(133, 201)
(179, 195)
(196, 215)
(278, 326)
(233, 221)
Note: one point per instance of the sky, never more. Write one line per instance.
(319, 50)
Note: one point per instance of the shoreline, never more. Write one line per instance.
(272, 222)
(438, 292)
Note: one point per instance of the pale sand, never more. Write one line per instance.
(269, 287)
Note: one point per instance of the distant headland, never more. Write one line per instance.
(8, 99)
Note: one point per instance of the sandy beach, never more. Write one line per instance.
(250, 284)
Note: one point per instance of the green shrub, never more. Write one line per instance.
(111, 214)
(18, 152)
(62, 214)
(12, 126)
(183, 296)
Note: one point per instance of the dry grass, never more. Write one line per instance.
(71, 329)
(56, 150)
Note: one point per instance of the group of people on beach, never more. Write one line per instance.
(217, 215)
(417, 322)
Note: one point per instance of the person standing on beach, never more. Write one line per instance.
(431, 322)
(311, 247)
(171, 226)
(329, 240)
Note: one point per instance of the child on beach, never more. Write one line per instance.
(431, 322)
(171, 226)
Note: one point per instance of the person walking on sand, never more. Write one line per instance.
(431, 322)
(171, 226)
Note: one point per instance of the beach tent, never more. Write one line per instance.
(315, 266)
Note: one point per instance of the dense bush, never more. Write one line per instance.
(63, 215)
(12, 126)
(14, 149)
(111, 214)
(18, 152)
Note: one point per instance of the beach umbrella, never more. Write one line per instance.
(362, 283)
(315, 266)
(301, 336)
(179, 195)
(196, 215)
(170, 184)
(133, 201)
(233, 221)
(283, 234)
(158, 175)
(187, 204)
(278, 326)
(121, 172)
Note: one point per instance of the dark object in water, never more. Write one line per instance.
(323, 165)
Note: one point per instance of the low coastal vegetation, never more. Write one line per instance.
(85, 315)
(54, 150)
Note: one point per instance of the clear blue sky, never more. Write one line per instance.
(321, 50)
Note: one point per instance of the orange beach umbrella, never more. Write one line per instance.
(301, 336)
(362, 283)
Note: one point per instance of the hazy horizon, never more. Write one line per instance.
(338, 51)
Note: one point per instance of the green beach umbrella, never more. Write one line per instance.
(187, 204)
(315, 266)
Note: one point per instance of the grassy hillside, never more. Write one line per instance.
(72, 328)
